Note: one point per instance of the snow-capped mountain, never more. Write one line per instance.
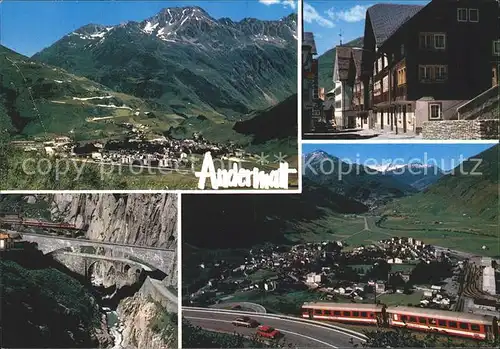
(353, 181)
(182, 56)
(185, 24)
(418, 175)
(393, 167)
(188, 24)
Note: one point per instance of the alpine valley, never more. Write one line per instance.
(161, 74)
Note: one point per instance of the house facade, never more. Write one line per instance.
(329, 107)
(360, 114)
(311, 104)
(345, 75)
(420, 63)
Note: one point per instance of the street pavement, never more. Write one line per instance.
(295, 332)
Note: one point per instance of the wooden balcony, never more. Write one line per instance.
(401, 93)
(357, 107)
(384, 97)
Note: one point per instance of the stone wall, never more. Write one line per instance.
(157, 291)
(461, 129)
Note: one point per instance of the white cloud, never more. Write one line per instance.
(290, 3)
(311, 15)
(286, 3)
(354, 14)
(269, 2)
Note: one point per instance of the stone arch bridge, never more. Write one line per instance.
(138, 256)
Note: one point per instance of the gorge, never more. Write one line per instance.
(100, 296)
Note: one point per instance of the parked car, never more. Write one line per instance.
(245, 321)
(268, 332)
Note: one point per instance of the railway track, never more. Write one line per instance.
(472, 285)
(11, 219)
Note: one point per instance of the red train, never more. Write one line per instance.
(12, 219)
(467, 325)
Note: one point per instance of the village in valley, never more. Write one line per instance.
(392, 271)
(137, 151)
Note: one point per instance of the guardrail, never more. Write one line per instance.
(487, 97)
(352, 333)
(257, 308)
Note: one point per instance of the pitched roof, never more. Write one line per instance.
(308, 40)
(387, 18)
(356, 55)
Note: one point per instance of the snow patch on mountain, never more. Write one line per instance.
(393, 167)
(149, 28)
(266, 38)
(99, 35)
(90, 98)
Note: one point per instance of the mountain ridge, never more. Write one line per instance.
(187, 61)
(459, 192)
(355, 182)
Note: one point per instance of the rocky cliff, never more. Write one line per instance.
(145, 324)
(138, 219)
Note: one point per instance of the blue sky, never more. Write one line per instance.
(447, 156)
(28, 26)
(327, 19)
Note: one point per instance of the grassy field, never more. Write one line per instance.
(261, 275)
(466, 239)
(470, 238)
(332, 226)
(285, 302)
(403, 268)
(19, 174)
(400, 298)
(65, 174)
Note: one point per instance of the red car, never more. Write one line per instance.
(268, 332)
(245, 321)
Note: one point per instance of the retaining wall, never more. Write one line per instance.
(461, 129)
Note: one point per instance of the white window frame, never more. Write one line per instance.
(435, 41)
(440, 112)
(474, 9)
(385, 84)
(377, 88)
(428, 39)
(466, 15)
(427, 69)
(496, 52)
(444, 68)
